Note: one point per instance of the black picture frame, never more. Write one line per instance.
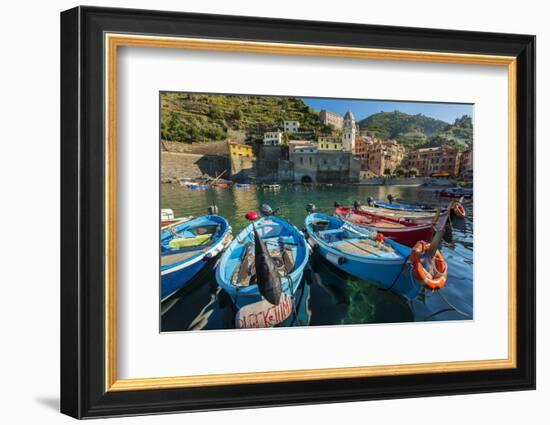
(83, 392)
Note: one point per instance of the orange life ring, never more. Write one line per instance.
(379, 237)
(421, 274)
(459, 210)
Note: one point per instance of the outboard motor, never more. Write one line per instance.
(390, 198)
(370, 201)
(213, 210)
(356, 205)
(337, 204)
(311, 208)
(266, 210)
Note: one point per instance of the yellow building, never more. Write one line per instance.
(242, 161)
(328, 143)
(240, 150)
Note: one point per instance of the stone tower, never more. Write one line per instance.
(349, 131)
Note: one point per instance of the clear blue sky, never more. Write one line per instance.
(363, 108)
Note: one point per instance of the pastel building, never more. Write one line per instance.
(273, 138)
(242, 161)
(362, 148)
(467, 164)
(441, 161)
(329, 143)
(382, 155)
(331, 118)
(291, 126)
(293, 145)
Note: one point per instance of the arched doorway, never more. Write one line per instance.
(306, 179)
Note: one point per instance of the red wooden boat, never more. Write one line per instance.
(401, 231)
(224, 185)
(412, 217)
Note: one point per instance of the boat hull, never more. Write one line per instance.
(406, 234)
(177, 275)
(175, 280)
(246, 295)
(410, 216)
(407, 237)
(389, 274)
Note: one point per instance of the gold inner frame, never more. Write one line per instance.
(113, 41)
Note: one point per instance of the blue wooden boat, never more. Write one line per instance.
(359, 252)
(242, 185)
(288, 249)
(198, 186)
(405, 207)
(185, 248)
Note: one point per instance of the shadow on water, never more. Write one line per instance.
(326, 296)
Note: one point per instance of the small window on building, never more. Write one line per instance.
(301, 161)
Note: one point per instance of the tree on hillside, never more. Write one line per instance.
(237, 115)
(400, 172)
(387, 171)
(413, 172)
(285, 139)
(216, 113)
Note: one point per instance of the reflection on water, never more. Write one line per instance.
(327, 296)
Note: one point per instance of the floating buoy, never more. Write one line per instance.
(458, 210)
(421, 274)
(252, 215)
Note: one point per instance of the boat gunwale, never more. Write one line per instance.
(405, 226)
(252, 290)
(368, 259)
(168, 269)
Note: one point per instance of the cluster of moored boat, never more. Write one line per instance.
(224, 185)
(391, 244)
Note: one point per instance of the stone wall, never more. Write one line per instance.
(286, 171)
(206, 148)
(267, 163)
(243, 168)
(323, 167)
(190, 166)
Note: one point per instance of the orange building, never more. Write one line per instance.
(438, 161)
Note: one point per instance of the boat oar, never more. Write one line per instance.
(436, 217)
(438, 237)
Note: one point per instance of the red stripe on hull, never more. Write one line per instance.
(407, 234)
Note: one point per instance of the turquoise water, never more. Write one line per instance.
(327, 296)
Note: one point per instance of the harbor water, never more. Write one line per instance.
(326, 296)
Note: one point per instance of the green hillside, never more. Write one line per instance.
(419, 130)
(459, 134)
(190, 117)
